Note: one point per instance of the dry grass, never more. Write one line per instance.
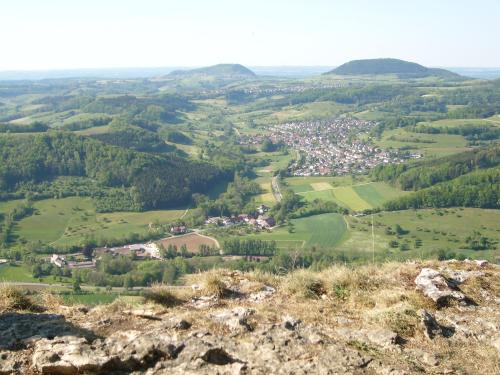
(162, 294)
(211, 283)
(303, 284)
(12, 299)
(51, 301)
(266, 278)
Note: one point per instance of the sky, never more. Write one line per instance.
(75, 34)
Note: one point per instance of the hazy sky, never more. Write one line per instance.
(60, 34)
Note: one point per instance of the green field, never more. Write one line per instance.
(431, 145)
(494, 120)
(350, 198)
(354, 195)
(326, 230)
(69, 220)
(436, 229)
(377, 193)
(94, 298)
(17, 273)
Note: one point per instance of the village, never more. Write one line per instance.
(329, 147)
(182, 241)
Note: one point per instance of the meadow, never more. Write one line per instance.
(427, 232)
(355, 194)
(326, 230)
(68, 221)
(430, 145)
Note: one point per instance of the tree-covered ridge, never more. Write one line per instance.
(476, 189)
(135, 138)
(222, 70)
(388, 66)
(429, 172)
(153, 181)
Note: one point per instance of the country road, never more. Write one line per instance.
(276, 189)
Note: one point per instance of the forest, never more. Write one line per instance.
(41, 158)
(429, 172)
(476, 189)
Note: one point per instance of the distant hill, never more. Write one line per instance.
(220, 70)
(389, 66)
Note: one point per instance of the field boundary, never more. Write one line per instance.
(335, 188)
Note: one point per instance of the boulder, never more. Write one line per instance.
(236, 319)
(435, 286)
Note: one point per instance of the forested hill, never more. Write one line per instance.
(429, 172)
(153, 181)
(220, 70)
(389, 66)
(476, 189)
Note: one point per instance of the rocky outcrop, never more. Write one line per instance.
(394, 332)
(435, 286)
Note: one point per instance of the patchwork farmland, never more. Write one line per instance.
(193, 241)
(356, 196)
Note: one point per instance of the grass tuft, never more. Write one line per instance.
(304, 284)
(12, 298)
(162, 294)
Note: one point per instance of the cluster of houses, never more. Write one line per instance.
(61, 262)
(330, 147)
(298, 88)
(259, 220)
(259, 89)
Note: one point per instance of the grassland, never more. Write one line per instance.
(430, 145)
(264, 174)
(444, 229)
(357, 195)
(494, 120)
(16, 273)
(68, 221)
(326, 230)
(309, 111)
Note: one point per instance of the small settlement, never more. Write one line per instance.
(260, 220)
(329, 147)
(182, 241)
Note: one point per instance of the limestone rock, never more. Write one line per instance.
(436, 287)
(382, 338)
(290, 322)
(430, 325)
(177, 323)
(122, 351)
(236, 319)
(8, 363)
(267, 292)
(458, 277)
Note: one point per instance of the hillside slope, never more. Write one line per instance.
(381, 319)
(220, 70)
(389, 66)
